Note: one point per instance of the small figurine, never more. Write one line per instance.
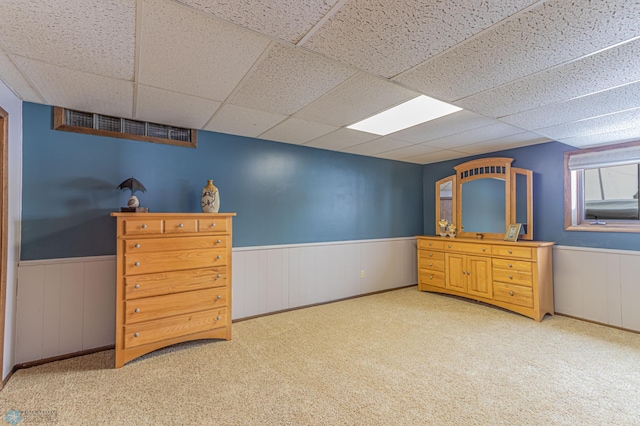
(443, 227)
(132, 184)
(451, 230)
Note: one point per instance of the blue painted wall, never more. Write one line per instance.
(546, 161)
(282, 193)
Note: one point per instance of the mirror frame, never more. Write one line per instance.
(454, 189)
(528, 235)
(493, 167)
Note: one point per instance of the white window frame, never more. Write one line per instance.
(574, 164)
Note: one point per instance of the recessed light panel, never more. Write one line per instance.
(417, 110)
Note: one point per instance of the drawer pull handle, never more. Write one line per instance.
(430, 244)
(213, 224)
(430, 277)
(430, 263)
(137, 263)
(510, 277)
(219, 241)
(136, 286)
(137, 310)
(181, 225)
(484, 249)
(449, 245)
(218, 318)
(137, 245)
(219, 296)
(510, 252)
(430, 254)
(509, 265)
(135, 334)
(468, 273)
(219, 275)
(219, 257)
(511, 293)
(144, 226)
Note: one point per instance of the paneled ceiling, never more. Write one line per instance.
(299, 71)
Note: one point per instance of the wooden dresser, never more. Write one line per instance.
(517, 276)
(173, 280)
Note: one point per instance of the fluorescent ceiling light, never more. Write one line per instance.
(417, 110)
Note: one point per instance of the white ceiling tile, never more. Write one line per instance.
(14, 79)
(481, 134)
(444, 126)
(341, 139)
(435, 157)
(357, 98)
(547, 35)
(507, 142)
(297, 131)
(377, 146)
(186, 51)
(242, 121)
(592, 126)
(78, 90)
(601, 103)
(90, 36)
(610, 68)
(172, 108)
(409, 151)
(386, 37)
(288, 79)
(288, 20)
(625, 135)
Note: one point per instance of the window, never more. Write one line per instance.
(601, 189)
(104, 125)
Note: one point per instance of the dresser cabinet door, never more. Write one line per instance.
(456, 277)
(480, 282)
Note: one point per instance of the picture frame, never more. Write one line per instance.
(512, 232)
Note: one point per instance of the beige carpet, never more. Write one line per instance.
(401, 357)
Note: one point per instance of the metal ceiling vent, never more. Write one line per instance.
(104, 125)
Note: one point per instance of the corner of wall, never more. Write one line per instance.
(13, 105)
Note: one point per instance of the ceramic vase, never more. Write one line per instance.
(210, 200)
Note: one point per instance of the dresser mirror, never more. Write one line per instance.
(445, 195)
(486, 196)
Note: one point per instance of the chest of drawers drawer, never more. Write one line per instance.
(512, 265)
(143, 245)
(515, 294)
(513, 252)
(430, 255)
(137, 286)
(151, 308)
(432, 278)
(146, 263)
(513, 277)
(213, 225)
(142, 226)
(467, 248)
(431, 244)
(172, 327)
(432, 264)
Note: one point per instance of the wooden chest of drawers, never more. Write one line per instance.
(173, 280)
(513, 275)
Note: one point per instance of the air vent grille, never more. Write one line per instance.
(104, 125)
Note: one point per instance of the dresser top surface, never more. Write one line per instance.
(134, 215)
(487, 241)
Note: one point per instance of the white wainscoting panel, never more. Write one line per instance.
(598, 285)
(273, 278)
(68, 305)
(64, 306)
